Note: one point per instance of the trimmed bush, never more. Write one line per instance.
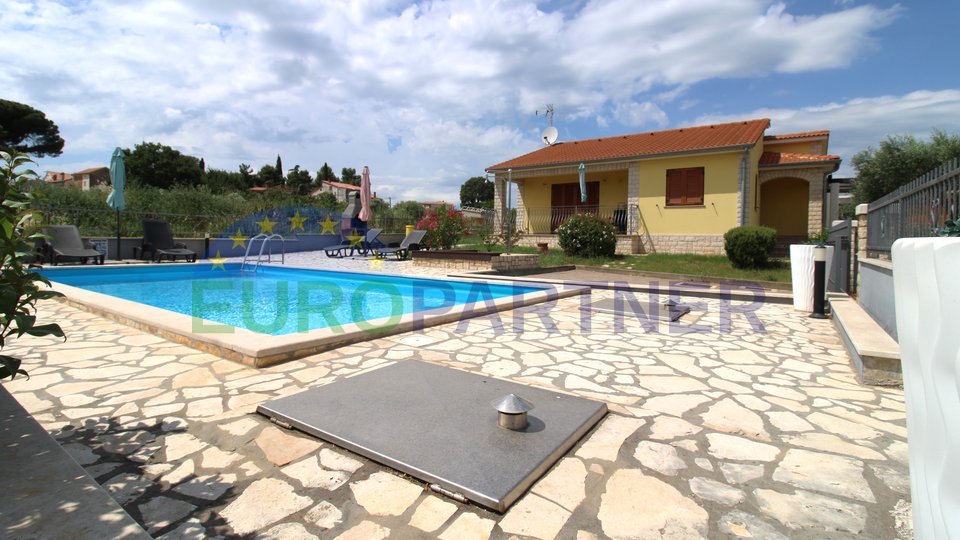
(749, 246)
(587, 236)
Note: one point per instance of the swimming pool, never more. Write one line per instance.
(277, 312)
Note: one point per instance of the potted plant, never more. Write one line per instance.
(20, 285)
(801, 269)
(927, 300)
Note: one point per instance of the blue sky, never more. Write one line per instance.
(428, 94)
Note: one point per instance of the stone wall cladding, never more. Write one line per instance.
(503, 263)
(511, 263)
(695, 244)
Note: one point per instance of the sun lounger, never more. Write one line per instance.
(65, 243)
(158, 240)
(337, 248)
(369, 242)
(402, 251)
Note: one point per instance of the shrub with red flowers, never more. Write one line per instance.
(444, 228)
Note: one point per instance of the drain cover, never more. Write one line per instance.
(436, 424)
(668, 311)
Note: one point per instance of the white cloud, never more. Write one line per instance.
(455, 81)
(635, 114)
(859, 123)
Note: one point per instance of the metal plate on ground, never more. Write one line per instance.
(667, 311)
(437, 424)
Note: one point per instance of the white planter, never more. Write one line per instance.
(801, 274)
(926, 281)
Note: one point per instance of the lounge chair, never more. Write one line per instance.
(158, 241)
(337, 248)
(369, 242)
(402, 250)
(65, 243)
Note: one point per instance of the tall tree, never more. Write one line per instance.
(348, 175)
(279, 169)
(267, 175)
(158, 165)
(203, 165)
(326, 174)
(246, 172)
(900, 160)
(477, 192)
(27, 130)
(299, 180)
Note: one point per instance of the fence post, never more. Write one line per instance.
(860, 250)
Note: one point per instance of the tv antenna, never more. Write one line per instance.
(550, 134)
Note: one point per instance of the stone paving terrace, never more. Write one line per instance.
(725, 431)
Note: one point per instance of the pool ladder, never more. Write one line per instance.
(266, 240)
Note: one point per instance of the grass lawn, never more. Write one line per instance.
(692, 265)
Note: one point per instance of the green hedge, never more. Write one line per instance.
(587, 236)
(749, 246)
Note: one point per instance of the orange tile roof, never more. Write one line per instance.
(92, 170)
(652, 143)
(342, 185)
(802, 135)
(786, 158)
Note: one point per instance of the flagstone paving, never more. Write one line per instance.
(718, 428)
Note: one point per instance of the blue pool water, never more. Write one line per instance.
(277, 300)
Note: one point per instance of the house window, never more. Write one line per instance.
(685, 187)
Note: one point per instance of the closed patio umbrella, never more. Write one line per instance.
(366, 200)
(118, 177)
(583, 185)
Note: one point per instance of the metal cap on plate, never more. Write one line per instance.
(512, 411)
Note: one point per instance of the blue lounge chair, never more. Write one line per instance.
(370, 241)
(412, 242)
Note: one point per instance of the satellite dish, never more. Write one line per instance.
(549, 135)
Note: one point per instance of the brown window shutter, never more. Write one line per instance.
(675, 187)
(694, 186)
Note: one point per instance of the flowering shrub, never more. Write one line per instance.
(444, 228)
(587, 236)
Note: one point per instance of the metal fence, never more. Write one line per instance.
(546, 219)
(97, 222)
(288, 221)
(916, 209)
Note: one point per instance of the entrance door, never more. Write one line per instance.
(783, 206)
(565, 202)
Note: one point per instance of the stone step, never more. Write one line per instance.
(876, 356)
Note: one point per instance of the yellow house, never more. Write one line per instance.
(674, 191)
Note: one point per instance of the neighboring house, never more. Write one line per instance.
(59, 178)
(91, 178)
(674, 191)
(339, 189)
(433, 205)
(85, 179)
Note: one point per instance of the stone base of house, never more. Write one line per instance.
(696, 244)
(693, 244)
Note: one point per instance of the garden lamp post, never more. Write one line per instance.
(819, 281)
